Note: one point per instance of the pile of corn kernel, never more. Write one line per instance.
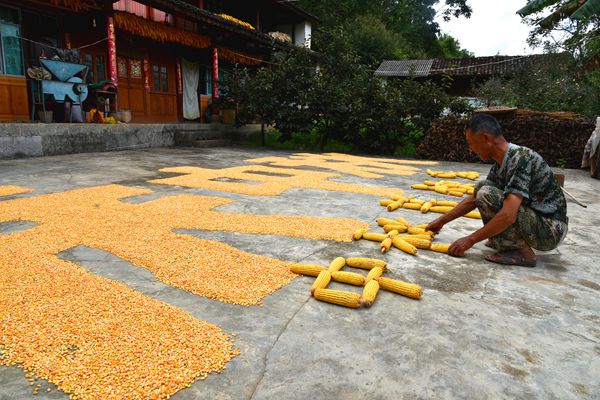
(10, 190)
(272, 181)
(370, 283)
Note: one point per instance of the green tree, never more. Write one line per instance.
(451, 48)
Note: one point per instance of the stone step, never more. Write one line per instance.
(210, 143)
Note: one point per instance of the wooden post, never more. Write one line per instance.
(112, 50)
(215, 74)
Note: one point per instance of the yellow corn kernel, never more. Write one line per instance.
(440, 248)
(386, 244)
(455, 193)
(307, 269)
(365, 263)
(441, 189)
(446, 203)
(473, 214)
(429, 183)
(417, 201)
(358, 234)
(339, 297)
(426, 206)
(337, 264)
(441, 209)
(419, 186)
(385, 202)
(375, 237)
(405, 289)
(397, 197)
(351, 278)
(369, 293)
(412, 206)
(403, 245)
(373, 274)
(418, 242)
(321, 282)
(403, 221)
(395, 227)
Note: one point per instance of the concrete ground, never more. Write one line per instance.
(480, 331)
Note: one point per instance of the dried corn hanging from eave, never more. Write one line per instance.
(339, 297)
(351, 278)
(369, 293)
(403, 245)
(404, 288)
(374, 273)
(321, 282)
(337, 264)
(307, 269)
(365, 263)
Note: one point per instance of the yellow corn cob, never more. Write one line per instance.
(417, 201)
(413, 230)
(426, 236)
(358, 234)
(473, 214)
(430, 172)
(412, 206)
(449, 184)
(397, 197)
(337, 264)
(403, 245)
(449, 174)
(321, 282)
(441, 189)
(385, 202)
(405, 289)
(307, 269)
(375, 237)
(403, 221)
(470, 190)
(461, 189)
(473, 176)
(446, 203)
(351, 278)
(365, 263)
(386, 244)
(455, 193)
(391, 233)
(395, 205)
(440, 248)
(441, 209)
(395, 227)
(386, 221)
(339, 297)
(418, 242)
(423, 226)
(462, 174)
(420, 186)
(426, 206)
(369, 293)
(429, 183)
(374, 273)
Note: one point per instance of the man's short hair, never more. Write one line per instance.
(485, 123)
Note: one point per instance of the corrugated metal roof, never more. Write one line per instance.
(404, 68)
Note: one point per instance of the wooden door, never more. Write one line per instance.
(13, 98)
(131, 87)
(163, 89)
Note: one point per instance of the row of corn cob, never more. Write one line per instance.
(452, 188)
(372, 282)
(411, 203)
(472, 175)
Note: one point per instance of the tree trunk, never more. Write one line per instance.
(262, 133)
(324, 137)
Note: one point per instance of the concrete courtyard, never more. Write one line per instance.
(480, 331)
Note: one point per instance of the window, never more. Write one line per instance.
(205, 86)
(160, 76)
(11, 52)
(96, 64)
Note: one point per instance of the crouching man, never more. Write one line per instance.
(521, 204)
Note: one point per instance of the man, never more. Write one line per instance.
(521, 204)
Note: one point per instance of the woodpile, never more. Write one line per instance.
(558, 137)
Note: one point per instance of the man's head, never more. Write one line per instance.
(483, 134)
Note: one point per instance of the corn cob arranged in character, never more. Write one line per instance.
(403, 245)
(374, 237)
(386, 221)
(405, 289)
(473, 214)
(417, 242)
(440, 248)
(412, 206)
(339, 297)
(386, 244)
(321, 282)
(307, 269)
(365, 263)
(385, 202)
(337, 264)
(351, 278)
(369, 293)
(441, 209)
(358, 234)
(374, 273)
(395, 227)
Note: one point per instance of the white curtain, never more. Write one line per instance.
(191, 78)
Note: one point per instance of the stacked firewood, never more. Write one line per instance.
(558, 137)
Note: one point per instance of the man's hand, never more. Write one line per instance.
(458, 248)
(435, 226)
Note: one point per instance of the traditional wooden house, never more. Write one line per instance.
(158, 59)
